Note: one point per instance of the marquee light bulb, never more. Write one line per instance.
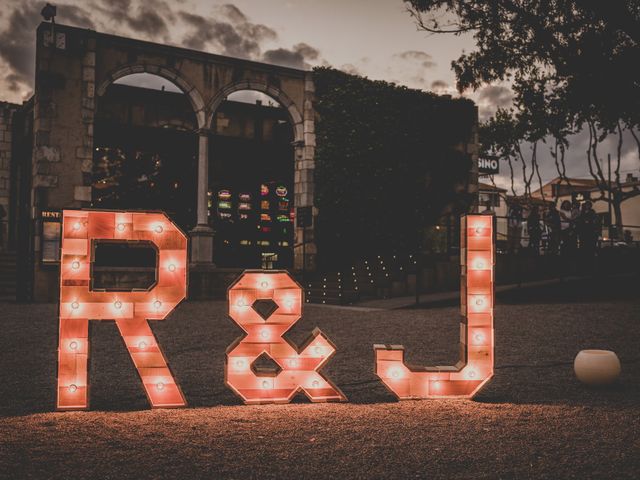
(73, 345)
(142, 345)
(72, 388)
(264, 284)
(160, 386)
(315, 384)
(289, 303)
(75, 305)
(158, 229)
(395, 372)
(171, 267)
(471, 374)
(318, 350)
(120, 227)
(264, 333)
(479, 264)
(117, 304)
(480, 301)
(478, 337)
(293, 362)
(266, 384)
(157, 304)
(76, 226)
(75, 265)
(240, 364)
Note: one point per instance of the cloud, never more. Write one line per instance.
(236, 37)
(492, 97)
(17, 42)
(233, 13)
(424, 58)
(350, 69)
(295, 58)
(150, 20)
(439, 85)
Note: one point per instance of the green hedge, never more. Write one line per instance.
(385, 164)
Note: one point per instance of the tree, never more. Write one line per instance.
(572, 65)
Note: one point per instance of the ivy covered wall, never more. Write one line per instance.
(389, 161)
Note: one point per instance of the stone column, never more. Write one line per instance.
(202, 235)
(304, 186)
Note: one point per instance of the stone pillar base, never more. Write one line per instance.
(201, 245)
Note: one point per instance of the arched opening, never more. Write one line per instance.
(251, 182)
(145, 148)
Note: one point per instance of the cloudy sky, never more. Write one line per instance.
(375, 38)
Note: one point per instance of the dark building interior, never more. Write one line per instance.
(145, 157)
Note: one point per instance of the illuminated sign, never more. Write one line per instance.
(264, 190)
(80, 303)
(281, 191)
(224, 194)
(265, 304)
(245, 197)
(293, 370)
(225, 205)
(475, 367)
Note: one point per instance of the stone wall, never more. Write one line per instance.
(6, 125)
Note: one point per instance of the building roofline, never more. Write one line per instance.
(177, 51)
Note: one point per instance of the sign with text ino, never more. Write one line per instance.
(488, 166)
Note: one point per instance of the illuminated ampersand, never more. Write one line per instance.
(475, 367)
(266, 305)
(131, 310)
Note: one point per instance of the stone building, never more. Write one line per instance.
(51, 146)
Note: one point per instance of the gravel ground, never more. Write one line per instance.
(533, 420)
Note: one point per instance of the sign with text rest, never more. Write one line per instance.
(265, 304)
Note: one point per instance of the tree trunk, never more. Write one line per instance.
(616, 203)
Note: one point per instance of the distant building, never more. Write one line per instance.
(494, 199)
(580, 190)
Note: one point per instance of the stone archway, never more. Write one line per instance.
(282, 98)
(168, 74)
(302, 124)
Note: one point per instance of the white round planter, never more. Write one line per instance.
(597, 367)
